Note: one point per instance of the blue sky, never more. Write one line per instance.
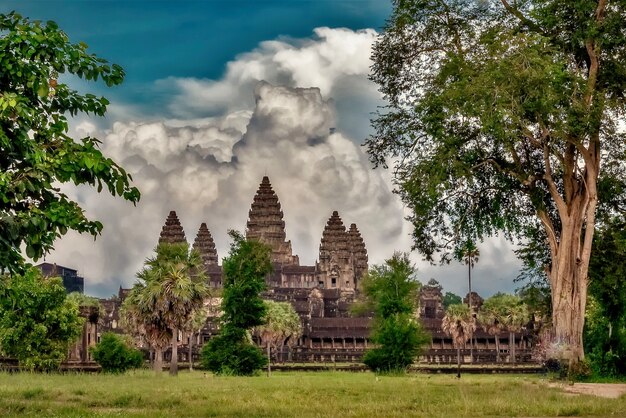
(180, 38)
(220, 93)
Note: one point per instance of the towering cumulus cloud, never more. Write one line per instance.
(294, 109)
(276, 111)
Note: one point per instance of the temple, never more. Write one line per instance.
(321, 293)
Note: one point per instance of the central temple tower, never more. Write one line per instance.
(266, 224)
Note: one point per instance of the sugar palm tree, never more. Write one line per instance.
(172, 286)
(139, 319)
(490, 318)
(516, 318)
(459, 324)
(194, 327)
(469, 254)
(281, 323)
(502, 311)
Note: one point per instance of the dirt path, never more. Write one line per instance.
(605, 390)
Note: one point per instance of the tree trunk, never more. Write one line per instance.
(497, 347)
(458, 361)
(570, 250)
(269, 360)
(191, 350)
(512, 347)
(174, 359)
(469, 302)
(568, 282)
(158, 360)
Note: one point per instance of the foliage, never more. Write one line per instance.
(232, 353)
(605, 328)
(391, 291)
(499, 116)
(282, 323)
(245, 268)
(458, 322)
(400, 338)
(171, 288)
(36, 152)
(451, 299)
(504, 311)
(115, 354)
(38, 323)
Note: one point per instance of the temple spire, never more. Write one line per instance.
(335, 258)
(172, 232)
(359, 252)
(266, 224)
(205, 246)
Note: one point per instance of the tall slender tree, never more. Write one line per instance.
(459, 324)
(499, 116)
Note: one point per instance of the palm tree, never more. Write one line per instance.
(469, 253)
(140, 320)
(490, 318)
(194, 327)
(516, 318)
(281, 323)
(172, 288)
(458, 323)
(502, 311)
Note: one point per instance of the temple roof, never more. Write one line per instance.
(205, 245)
(265, 223)
(172, 232)
(335, 237)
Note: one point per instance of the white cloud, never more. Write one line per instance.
(273, 112)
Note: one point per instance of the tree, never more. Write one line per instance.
(503, 311)
(450, 299)
(194, 327)
(115, 354)
(391, 291)
(282, 323)
(499, 116)
(459, 323)
(174, 288)
(245, 268)
(469, 254)
(37, 322)
(36, 152)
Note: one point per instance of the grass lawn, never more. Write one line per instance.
(321, 394)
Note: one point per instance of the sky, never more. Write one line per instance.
(220, 93)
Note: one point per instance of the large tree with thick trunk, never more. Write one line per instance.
(500, 114)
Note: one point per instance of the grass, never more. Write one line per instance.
(322, 394)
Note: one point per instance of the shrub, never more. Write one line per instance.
(232, 354)
(401, 339)
(115, 355)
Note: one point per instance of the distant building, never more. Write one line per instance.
(71, 280)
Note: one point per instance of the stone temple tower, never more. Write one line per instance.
(205, 246)
(359, 252)
(172, 232)
(266, 224)
(336, 261)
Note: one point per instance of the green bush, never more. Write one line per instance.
(400, 340)
(115, 355)
(232, 354)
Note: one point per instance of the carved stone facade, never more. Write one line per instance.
(266, 224)
(172, 232)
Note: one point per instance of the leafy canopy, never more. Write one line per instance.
(245, 268)
(115, 354)
(36, 152)
(38, 323)
(499, 112)
(391, 290)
